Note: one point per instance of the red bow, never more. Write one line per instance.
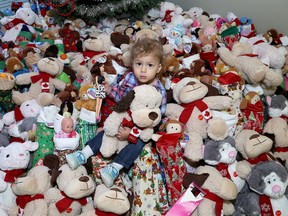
(64, 203)
(11, 175)
(218, 201)
(22, 201)
(188, 109)
(260, 158)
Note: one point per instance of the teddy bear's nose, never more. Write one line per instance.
(153, 115)
(84, 179)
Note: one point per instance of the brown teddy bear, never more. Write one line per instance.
(86, 104)
(13, 64)
(43, 84)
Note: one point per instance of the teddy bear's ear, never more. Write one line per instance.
(124, 104)
(199, 179)
(244, 103)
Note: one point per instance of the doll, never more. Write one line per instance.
(67, 127)
(97, 75)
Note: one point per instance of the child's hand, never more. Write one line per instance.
(107, 87)
(123, 133)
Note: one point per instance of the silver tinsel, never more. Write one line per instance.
(97, 10)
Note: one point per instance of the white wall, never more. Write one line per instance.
(265, 14)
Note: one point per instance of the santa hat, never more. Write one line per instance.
(230, 77)
(18, 114)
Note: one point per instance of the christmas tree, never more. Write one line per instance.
(94, 10)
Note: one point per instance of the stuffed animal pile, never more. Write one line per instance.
(226, 115)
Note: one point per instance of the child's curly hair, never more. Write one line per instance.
(147, 46)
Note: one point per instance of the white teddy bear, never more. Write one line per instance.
(14, 159)
(14, 24)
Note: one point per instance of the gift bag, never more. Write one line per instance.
(188, 202)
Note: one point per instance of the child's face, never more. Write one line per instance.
(146, 67)
(67, 125)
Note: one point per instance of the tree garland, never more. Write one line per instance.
(98, 9)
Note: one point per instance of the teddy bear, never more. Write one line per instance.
(251, 68)
(86, 104)
(13, 64)
(24, 16)
(31, 189)
(43, 84)
(72, 196)
(14, 160)
(254, 148)
(221, 153)
(31, 57)
(139, 110)
(192, 108)
(7, 83)
(273, 37)
(273, 57)
(168, 146)
(29, 108)
(105, 197)
(278, 127)
(220, 191)
(268, 182)
(170, 66)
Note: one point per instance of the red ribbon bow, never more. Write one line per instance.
(64, 203)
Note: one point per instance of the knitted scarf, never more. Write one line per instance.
(64, 203)
(188, 109)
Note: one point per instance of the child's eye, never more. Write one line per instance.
(150, 65)
(138, 63)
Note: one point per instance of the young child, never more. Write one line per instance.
(67, 127)
(146, 57)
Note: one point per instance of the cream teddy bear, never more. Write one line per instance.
(43, 84)
(251, 68)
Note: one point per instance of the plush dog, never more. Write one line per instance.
(72, 196)
(140, 110)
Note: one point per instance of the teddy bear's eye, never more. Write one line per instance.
(7, 156)
(147, 105)
(27, 104)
